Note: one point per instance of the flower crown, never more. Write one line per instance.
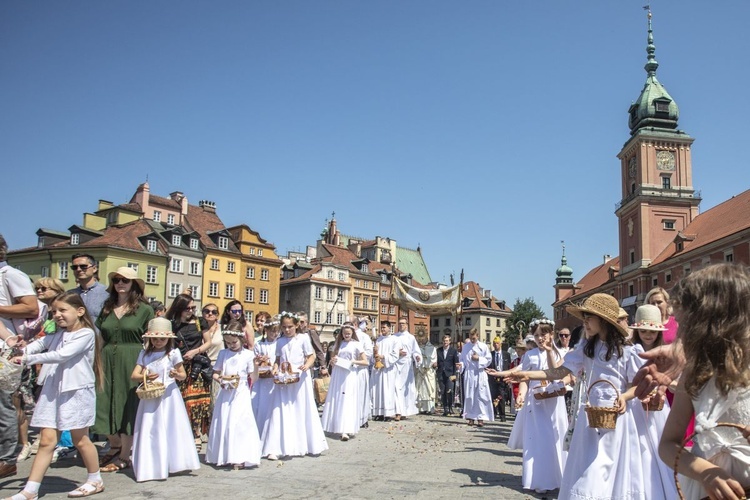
(285, 314)
(543, 321)
(233, 333)
(269, 324)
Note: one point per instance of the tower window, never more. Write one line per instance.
(668, 224)
(632, 188)
(666, 182)
(661, 106)
(632, 256)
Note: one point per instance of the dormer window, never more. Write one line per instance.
(176, 240)
(661, 106)
(40, 243)
(365, 268)
(151, 245)
(223, 242)
(194, 243)
(170, 219)
(75, 239)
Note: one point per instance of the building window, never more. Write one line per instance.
(75, 239)
(374, 304)
(328, 318)
(356, 301)
(229, 289)
(176, 266)
(175, 289)
(170, 219)
(668, 224)
(151, 274)
(339, 318)
(63, 268)
(365, 268)
(632, 256)
(487, 322)
(195, 291)
(195, 267)
(252, 251)
(467, 321)
(194, 243)
(365, 302)
(133, 266)
(263, 296)
(230, 267)
(384, 309)
(666, 182)
(729, 256)
(668, 277)
(264, 274)
(151, 245)
(318, 292)
(249, 317)
(329, 274)
(249, 294)
(260, 252)
(630, 290)
(499, 323)
(176, 240)
(342, 276)
(316, 316)
(329, 293)
(686, 269)
(213, 289)
(383, 294)
(214, 264)
(250, 273)
(223, 242)
(655, 282)
(392, 310)
(157, 216)
(447, 322)
(45, 272)
(358, 283)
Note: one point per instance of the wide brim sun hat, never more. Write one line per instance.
(602, 305)
(128, 273)
(159, 328)
(648, 317)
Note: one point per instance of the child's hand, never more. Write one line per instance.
(302, 367)
(719, 484)
(622, 404)
(334, 359)
(154, 376)
(172, 373)
(519, 402)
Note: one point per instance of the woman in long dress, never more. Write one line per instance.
(341, 412)
(263, 387)
(162, 437)
(234, 435)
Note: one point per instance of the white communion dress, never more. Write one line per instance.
(341, 413)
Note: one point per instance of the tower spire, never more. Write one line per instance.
(651, 64)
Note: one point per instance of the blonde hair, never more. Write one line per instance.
(51, 283)
(659, 290)
(714, 303)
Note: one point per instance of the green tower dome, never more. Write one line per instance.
(654, 107)
(564, 272)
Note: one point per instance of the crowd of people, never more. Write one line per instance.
(593, 415)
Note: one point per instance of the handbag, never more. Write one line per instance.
(320, 388)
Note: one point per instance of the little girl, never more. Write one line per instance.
(294, 427)
(604, 463)
(162, 434)
(67, 400)
(712, 306)
(263, 387)
(233, 438)
(341, 413)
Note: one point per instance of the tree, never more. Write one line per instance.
(523, 310)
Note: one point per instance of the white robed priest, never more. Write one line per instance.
(409, 354)
(425, 374)
(475, 357)
(363, 372)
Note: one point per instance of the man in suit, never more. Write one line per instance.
(447, 359)
(498, 388)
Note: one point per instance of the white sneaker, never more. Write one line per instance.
(25, 453)
(271, 456)
(345, 437)
(55, 455)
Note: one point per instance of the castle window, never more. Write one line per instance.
(666, 182)
(668, 277)
(668, 224)
(661, 107)
(729, 256)
(632, 256)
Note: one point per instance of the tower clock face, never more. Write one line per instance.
(632, 167)
(665, 160)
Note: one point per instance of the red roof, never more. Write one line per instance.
(204, 222)
(473, 291)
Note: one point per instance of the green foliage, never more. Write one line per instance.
(523, 310)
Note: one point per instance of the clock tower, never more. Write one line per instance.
(658, 198)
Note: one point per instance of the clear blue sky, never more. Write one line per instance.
(485, 131)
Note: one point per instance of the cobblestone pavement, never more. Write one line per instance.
(423, 457)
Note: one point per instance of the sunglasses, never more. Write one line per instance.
(41, 289)
(124, 281)
(235, 311)
(211, 311)
(191, 308)
(82, 267)
(563, 336)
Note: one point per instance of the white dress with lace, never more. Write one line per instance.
(723, 446)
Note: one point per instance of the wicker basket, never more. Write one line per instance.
(265, 370)
(602, 417)
(150, 389)
(685, 442)
(286, 375)
(549, 395)
(230, 381)
(655, 402)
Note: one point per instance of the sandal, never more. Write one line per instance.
(114, 466)
(87, 489)
(480, 423)
(109, 456)
(23, 494)
(198, 445)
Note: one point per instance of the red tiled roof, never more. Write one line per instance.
(472, 290)
(342, 256)
(204, 222)
(725, 219)
(595, 278)
(164, 202)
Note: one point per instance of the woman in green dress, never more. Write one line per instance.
(122, 322)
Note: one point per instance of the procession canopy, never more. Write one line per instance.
(442, 301)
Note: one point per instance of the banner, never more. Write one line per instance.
(443, 301)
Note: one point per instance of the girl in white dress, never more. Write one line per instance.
(603, 463)
(647, 333)
(233, 438)
(294, 427)
(712, 307)
(263, 387)
(67, 400)
(341, 412)
(162, 436)
(545, 421)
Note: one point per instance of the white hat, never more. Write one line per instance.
(648, 317)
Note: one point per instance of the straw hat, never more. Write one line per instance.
(128, 273)
(623, 314)
(159, 328)
(602, 305)
(648, 317)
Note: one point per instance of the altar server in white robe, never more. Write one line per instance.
(475, 357)
(425, 374)
(342, 408)
(384, 372)
(363, 373)
(406, 389)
